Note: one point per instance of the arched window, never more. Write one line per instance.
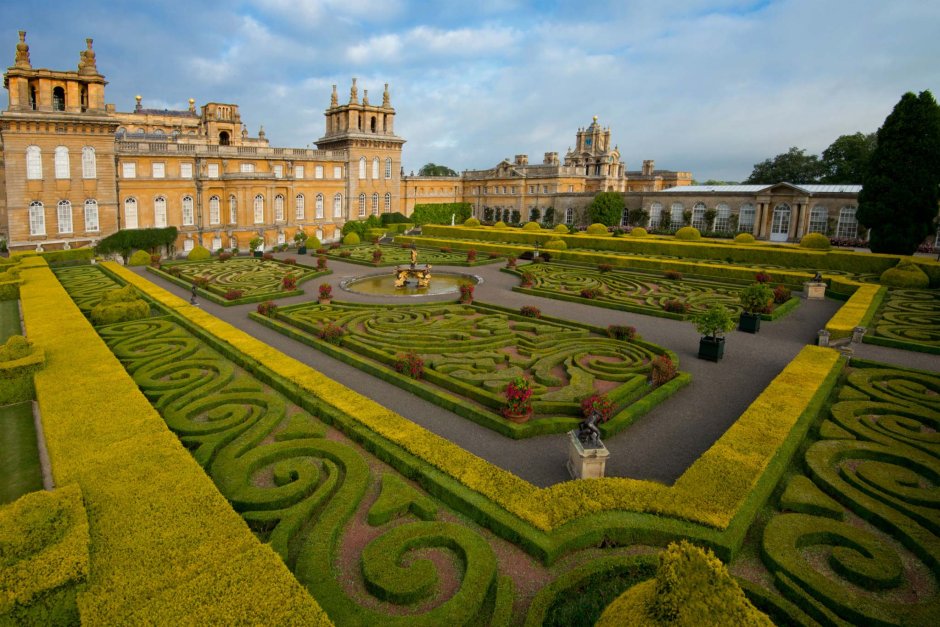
(362, 167)
(569, 216)
(279, 208)
(372, 124)
(58, 99)
(223, 138)
(362, 205)
(299, 206)
(232, 209)
(818, 220)
(722, 214)
(33, 162)
(91, 216)
(624, 217)
(259, 209)
(388, 167)
(375, 168)
(848, 225)
(64, 215)
(388, 202)
(746, 218)
(656, 214)
(159, 212)
(337, 205)
(89, 166)
(214, 206)
(375, 203)
(61, 162)
(188, 216)
(130, 213)
(675, 215)
(319, 206)
(37, 218)
(698, 216)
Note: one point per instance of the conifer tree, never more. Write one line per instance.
(901, 188)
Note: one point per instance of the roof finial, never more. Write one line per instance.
(334, 99)
(354, 93)
(365, 96)
(86, 61)
(386, 99)
(192, 105)
(22, 52)
(261, 132)
(138, 98)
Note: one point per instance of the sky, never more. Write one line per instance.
(707, 86)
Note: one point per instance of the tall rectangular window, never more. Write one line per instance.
(159, 212)
(279, 208)
(388, 167)
(214, 212)
(818, 220)
(89, 165)
(188, 216)
(232, 210)
(91, 215)
(37, 219)
(33, 163)
(278, 171)
(247, 168)
(62, 162)
(159, 170)
(186, 170)
(375, 168)
(746, 218)
(213, 171)
(318, 172)
(130, 213)
(300, 207)
(129, 169)
(259, 209)
(65, 216)
(298, 171)
(337, 171)
(337, 205)
(319, 207)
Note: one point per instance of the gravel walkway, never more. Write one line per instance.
(659, 446)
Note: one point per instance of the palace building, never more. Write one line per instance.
(75, 170)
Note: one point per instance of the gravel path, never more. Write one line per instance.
(659, 446)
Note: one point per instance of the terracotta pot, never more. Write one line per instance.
(325, 301)
(517, 418)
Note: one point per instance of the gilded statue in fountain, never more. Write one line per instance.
(413, 273)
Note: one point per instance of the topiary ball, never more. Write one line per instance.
(139, 258)
(313, 243)
(817, 241)
(351, 239)
(597, 229)
(638, 232)
(744, 238)
(198, 253)
(500, 225)
(561, 228)
(555, 244)
(906, 274)
(688, 233)
(16, 347)
(531, 226)
(471, 222)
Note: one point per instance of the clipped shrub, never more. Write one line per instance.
(351, 239)
(674, 275)
(689, 233)
(471, 255)
(313, 242)
(326, 291)
(527, 279)
(662, 370)
(198, 281)
(291, 261)
(472, 222)
(531, 226)
(638, 232)
(604, 267)
(233, 294)
(344, 253)
(510, 261)
(466, 293)
(530, 311)
(500, 225)
(597, 229)
(332, 333)
(376, 255)
(139, 258)
(410, 364)
(445, 249)
(744, 238)
(756, 298)
(16, 347)
(267, 257)
(762, 277)
(590, 292)
(199, 253)
(781, 294)
(906, 274)
(225, 256)
(123, 311)
(321, 262)
(817, 241)
(267, 308)
(676, 306)
(561, 228)
(289, 282)
(556, 244)
(621, 332)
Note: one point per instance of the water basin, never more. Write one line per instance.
(384, 285)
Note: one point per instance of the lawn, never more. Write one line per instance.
(19, 455)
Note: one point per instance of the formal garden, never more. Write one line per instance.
(387, 255)
(207, 473)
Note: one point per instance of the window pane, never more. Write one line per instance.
(91, 215)
(130, 213)
(159, 170)
(61, 162)
(130, 169)
(159, 212)
(33, 162)
(37, 219)
(299, 207)
(214, 211)
(188, 211)
(89, 165)
(186, 170)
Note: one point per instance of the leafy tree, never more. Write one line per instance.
(128, 240)
(433, 169)
(714, 182)
(793, 166)
(901, 187)
(846, 159)
(441, 213)
(606, 208)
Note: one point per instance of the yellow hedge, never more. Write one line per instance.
(857, 311)
(165, 544)
(710, 492)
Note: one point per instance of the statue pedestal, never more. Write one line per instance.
(585, 463)
(814, 291)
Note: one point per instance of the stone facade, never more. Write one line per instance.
(66, 155)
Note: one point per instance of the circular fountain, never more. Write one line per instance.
(386, 285)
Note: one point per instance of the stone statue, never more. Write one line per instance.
(414, 257)
(588, 433)
(818, 277)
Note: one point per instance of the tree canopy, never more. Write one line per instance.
(793, 166)
(433, 169)
(606, 208)
(846, 159)
(901, 187)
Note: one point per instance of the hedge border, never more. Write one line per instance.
(858, 311)
(159, 527)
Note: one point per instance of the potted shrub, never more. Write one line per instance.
(712, 324)
(466, 293)
(257, 246)
(326, 293)
(300, 238)
(755, 299)
(518, 400)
